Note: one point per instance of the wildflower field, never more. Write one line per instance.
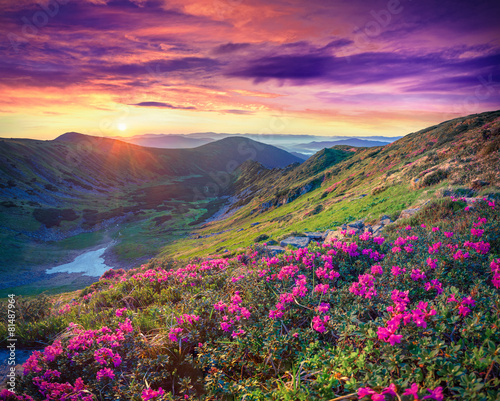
(412, 314)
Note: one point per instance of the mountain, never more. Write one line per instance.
(360, 143)
(358, 257)
(459, 157)
(87, 189)
(300, 155)
(165, 141)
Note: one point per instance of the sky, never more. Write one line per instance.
(319, 67)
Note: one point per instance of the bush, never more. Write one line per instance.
(434, 178)
(261, 238)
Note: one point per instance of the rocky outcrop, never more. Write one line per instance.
(298, 242)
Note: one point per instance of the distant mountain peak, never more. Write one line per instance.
(72, 137)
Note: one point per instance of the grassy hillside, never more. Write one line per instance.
(412, 313)
(344, 184)
(95, 191)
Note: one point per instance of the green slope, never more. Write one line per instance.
(327, 190)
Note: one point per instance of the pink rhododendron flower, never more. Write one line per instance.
(119, 312)
(417, 274)
(321, 288)
(436, 394)
(396, 270)
(150, 394)
(432, 263)
(105, 373)
(413, 390)
(365, 287)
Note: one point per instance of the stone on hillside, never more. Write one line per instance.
(357, 224)
(274, 250)
(334, 236)
(298, 242)
(315, 236)
(377, 229)
(472, 200)
(408, 213)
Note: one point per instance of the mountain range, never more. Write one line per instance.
(77, 192)
(301, 146)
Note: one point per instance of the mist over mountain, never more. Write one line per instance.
(304, 144)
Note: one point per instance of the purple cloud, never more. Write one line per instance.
(163, 105)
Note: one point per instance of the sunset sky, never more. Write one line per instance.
(129, 67)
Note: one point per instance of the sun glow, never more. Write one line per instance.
(122, 126)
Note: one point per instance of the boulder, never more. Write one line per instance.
(357, 224)
(334, 235)
(298, 242)
(384, 220)
(274, 250)
(470, 201)
(315, 236)
(377, 229)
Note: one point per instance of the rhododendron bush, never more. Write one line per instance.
(412, 314)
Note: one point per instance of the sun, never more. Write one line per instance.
(122, 126)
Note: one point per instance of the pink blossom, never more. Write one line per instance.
(318, 323)
(119, 312)
(436, 394)
(149, 393)
(477, 232)
(413, 390)
(432, 263)
(365, 287)
(417, 274)
(391, 390)
(396, 270)
(321, 288)
(105, 373)
(323, 307)
(376, 269)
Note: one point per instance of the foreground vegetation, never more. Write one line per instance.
(412, 314)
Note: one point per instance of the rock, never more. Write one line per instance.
(275, 249)
(298, 242)
(254, 224)
(334, 235)
(408, 213)
(315, 236)
(357, 224)
(377, 229)
(470, 201)
(368, 228)
(271, 242)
